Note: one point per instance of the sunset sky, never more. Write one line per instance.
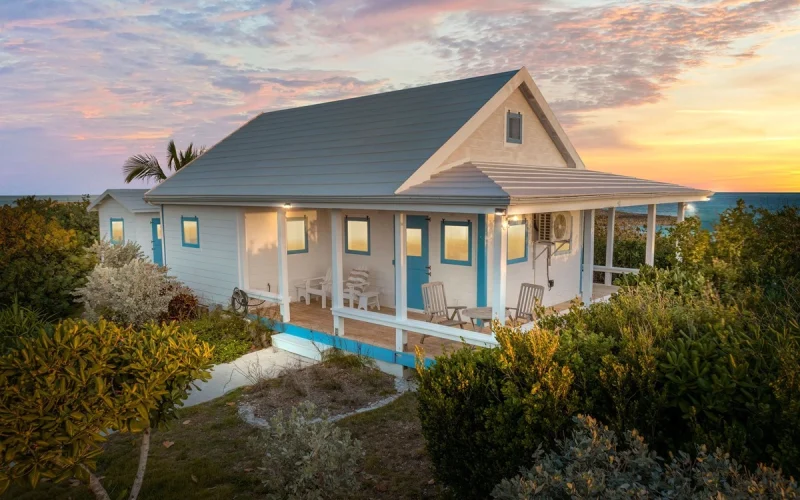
(704, 93)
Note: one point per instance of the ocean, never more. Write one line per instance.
(709, 211)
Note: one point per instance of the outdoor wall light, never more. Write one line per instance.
(499, 211)
(287, 205)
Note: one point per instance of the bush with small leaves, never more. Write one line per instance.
(115, 255)
(232, 335)
(63, 391)
(134, 294)
(591, 463)
(307, 457)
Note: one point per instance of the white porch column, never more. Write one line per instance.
(587, 278)
(650, 246)
(612, 212)
(283, 266)
(400, 280)
(499, 262)
(337, 280)
(681, 212)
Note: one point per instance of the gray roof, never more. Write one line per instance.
(131, 199)
(361, 147)
(526, 182)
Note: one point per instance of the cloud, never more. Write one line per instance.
(111, 78)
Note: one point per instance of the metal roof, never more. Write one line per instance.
(518, 183)
(366, 146)
(131, 199)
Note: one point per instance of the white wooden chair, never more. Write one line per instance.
(436, 308)
(356, 285)
(530, 296)
(320, 286)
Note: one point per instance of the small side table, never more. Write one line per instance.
(301, 292)
(483, 314)
(369, 298)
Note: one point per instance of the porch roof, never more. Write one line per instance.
(530, 184)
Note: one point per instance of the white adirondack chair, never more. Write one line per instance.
(356, 285)
(321, 287)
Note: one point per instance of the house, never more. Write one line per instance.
(472, 183)
(125, 216)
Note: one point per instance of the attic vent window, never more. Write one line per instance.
(514, 128)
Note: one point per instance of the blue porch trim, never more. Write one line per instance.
(482, 263)
(406, 359)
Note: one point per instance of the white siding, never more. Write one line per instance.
(136, 225)
(111, 209)
(212, 270)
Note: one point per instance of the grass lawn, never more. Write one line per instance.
(209, 457)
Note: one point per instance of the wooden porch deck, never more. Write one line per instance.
(314, 317)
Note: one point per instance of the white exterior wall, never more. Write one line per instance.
(261, 256)
(488, 142)
(137, 225)
(212, 270)
(565, 267)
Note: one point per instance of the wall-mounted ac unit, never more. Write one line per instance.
(554, 227)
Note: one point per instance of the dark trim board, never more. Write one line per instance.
(378, 353)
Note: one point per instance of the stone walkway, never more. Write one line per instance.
(247, 370)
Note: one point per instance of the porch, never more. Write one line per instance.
(485, 268)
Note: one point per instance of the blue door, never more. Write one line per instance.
(158, 256)
(418, 267)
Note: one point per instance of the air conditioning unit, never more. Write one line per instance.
(554, 227)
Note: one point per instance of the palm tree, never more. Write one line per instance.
(145, 166)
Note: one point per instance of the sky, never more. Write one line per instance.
(704, 93)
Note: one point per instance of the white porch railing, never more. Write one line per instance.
(264, 295)
(616, 270)
(417, 326)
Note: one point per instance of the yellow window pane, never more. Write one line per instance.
(414, 242)
(357, 235)
(516, 241)
(117, 230)
(158, 231)
(296, 235)
(190, 232)
(456, 243)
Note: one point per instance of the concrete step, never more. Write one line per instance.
(300, 346)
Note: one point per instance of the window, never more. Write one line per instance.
(117, 230)
(297, 234)
(190, 232)
(514, 128)
(356, 235)
(517, 241)
(457, 243)
(413, 242)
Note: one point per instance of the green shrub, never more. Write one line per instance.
(62, 392)
(70, 215)
(308, 457)
(667, 356)
(592, 464)
(484, 412)
(41, 262)
(17, 322)
(231, 335)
